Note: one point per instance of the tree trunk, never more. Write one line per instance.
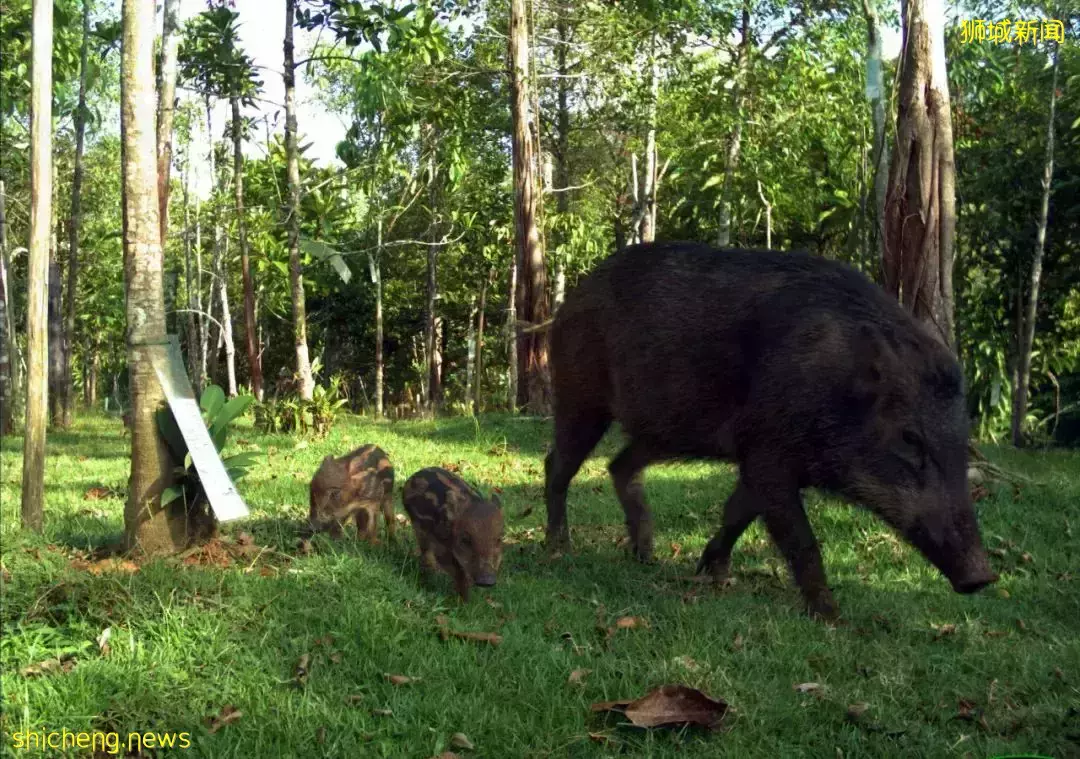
(226, 319)
(201, 376)
(148, 527)
(67, 399)
(166, 103)
(251, 341)
(511, 337)
(37, 381)
(562, 156)
(56, 341)
(296, 279)
(648, 195)
(90, 397)
(376, 279)
(191, 331)
(738, 97)
(8, 386)
(532, 298)
(875, 93)
(478, 372)
(768, 215)
(1027, 332)
(920, 210)
(470, 342)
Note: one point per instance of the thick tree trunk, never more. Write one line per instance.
(879, 150)
(148, 527)
(731, 159)
(67, 399)
(8, 386)
(37, 387)
(376, 279)
(250, 326)
(920, 210)
(479, 371)
(1027, 333)
(511, 337)
(296, 279)
(166, 103)
(533, 389)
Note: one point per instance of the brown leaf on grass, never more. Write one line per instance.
(978, 493)
(687, 663)
(325, 640)
(400, 679)
(1026, 558)
(478, 637)
(460, 740)
(492, 603)
(335, 657)
(320, 736)
(857, 710)
(97, 493)
(676, 549)
(301, 674)
(995, 633)
(452, 468)
(965, 710)
(304, 547)
(447, 755)
(525, 512)
(103, 641)
(227, 715)
(940, 631)
(738, 643)
(64, 664)
(442, 620)
(631, 623)
(815, 688)
(382, 712)
(1021, 626)
(266, 571)
(601, 738)
(354, 699)
(577, 677)
(670, 705)
(1058, 673)
(4, 574)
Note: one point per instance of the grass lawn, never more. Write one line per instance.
(939, 674)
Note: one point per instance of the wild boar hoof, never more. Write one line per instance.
(823, 607)
(558, 542)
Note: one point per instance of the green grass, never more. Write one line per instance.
(188, 640)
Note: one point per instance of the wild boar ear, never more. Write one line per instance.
(495, 500)
(873, 365)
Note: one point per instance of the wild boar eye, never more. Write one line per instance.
(913, 449)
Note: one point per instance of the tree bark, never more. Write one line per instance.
(37, 387)
(67, 399)
(879, 150)
(648, 195)
(374, 262)
(511, 337)
(201, 376)
(93, 370)
(1027, 332)
(533, 390)
(731, 162)
(226, 315)
(148, 527)
(166, 104)
(250, 326)
(191, 328)
(562, 155)
(56, 338)
(470, 361)
(8, 360)
(920, 207)
(296, 279)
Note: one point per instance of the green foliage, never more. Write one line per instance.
(218, 414)
(294, 415)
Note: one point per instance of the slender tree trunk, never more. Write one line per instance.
(562, 155)
(67, 399)
(296, 279)
(8, 386)
(92, 373)
(648, 199)
(226, 321)
(479, 371)
(875, 93)
(768, 215)
(738, 97)
(532, 297)
(201, 377)
(470, 362)
(1027, 333)
(37, 381)
(56, 340)
(166, 104)
(251, 341)
(511, 337)
(376, 279)
(148, 527)
(432, 382)
(191, 332)
(920, 210)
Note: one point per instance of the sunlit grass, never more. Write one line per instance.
(943, 674)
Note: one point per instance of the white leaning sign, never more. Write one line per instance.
(224, 500)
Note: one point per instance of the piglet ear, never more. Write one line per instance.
(495, 500)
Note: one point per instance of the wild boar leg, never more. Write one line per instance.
(365, 522)
(626, 472)
(786, 522)
(388, 512)
(575, 437)
(740, 511)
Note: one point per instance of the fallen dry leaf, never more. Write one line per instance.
(670, 705)
(63, 664)
(301, 675)
(577, 677)
(676, 549)
(227, 715)
(492, 603)
(525, 512)
(1002, 593)
(320, 736)
(97, 493)
(940, 631)
(382, 712)
(303, 547)
(1020, 625)
(995, 633)
(447, 755)
(355, 698)
(601, 738)
(336, 657)
(978, 493)
(687, 663)
(460, 740)
(808, 687)
(1026, 557)
(965, 710)
(1058, 673)
(631, 623)
(266, 571)
(492, 638)
(442, 620)
(103, 641)
(738, 643)
(856, 711)
(401, 679)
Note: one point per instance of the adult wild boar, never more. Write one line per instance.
(798, 368)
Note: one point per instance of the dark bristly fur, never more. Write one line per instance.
(798, 368)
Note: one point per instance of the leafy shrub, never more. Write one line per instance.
(294, 415)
